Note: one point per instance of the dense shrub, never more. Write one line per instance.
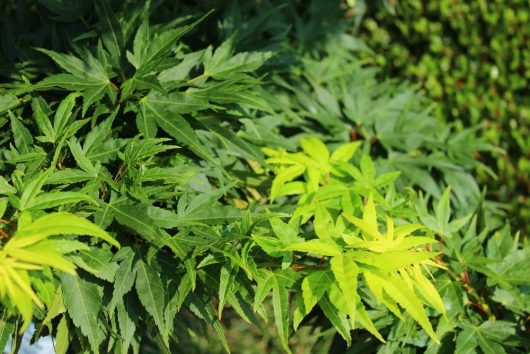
(165, 170)
(473, 57)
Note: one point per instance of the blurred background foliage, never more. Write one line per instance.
(473, 58)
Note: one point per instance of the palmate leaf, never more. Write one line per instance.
(57, 224)
(88, 76)
(30, 249)
(175, 125)
(161, 43)
(489, 336)
(391, 256)
(440, 223)
(398, 290)
(221, 63)
(134, 218)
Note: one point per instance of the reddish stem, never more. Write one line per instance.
(115, 86)
(4, 234)
(478, 306)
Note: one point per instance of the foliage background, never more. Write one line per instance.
(473, 58)
(309, 77)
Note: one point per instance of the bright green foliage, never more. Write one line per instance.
(32, 251)
(269, 191)
(390, 262)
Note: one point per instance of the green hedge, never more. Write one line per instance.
(473, 57)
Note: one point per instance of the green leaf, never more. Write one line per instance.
(398, 290)
(176, 126)
(280, 303)
(466, 342)
(6, 188)
(323, 224)
(64, 113)
(181, 71)
(91, 70)
(151, 293)
(324, 248)
(215, 214)
(287, 233)
(112, 34)
(386, 178)
(124, 279)
(7, 328)
(222, 64)
(364, 318)
(22, 136)
(62, 338)
(59, 224)
(162, 43)
(443, 209)
(7, 102)
(98, 262)
(145, 123)
(337, 319)
(226, 281)
(346, 272)
(140, 44)
(313, 288)
(285, 175)
(88, 76)
(315, 148)
(40, 108)
(367, 168)
(127, 324)
(345, 152)
(83, 302)
(54, 199)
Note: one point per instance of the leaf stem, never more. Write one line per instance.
(4, 234)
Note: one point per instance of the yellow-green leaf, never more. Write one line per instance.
(345, 152)
(346, 271)
(57, 224)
